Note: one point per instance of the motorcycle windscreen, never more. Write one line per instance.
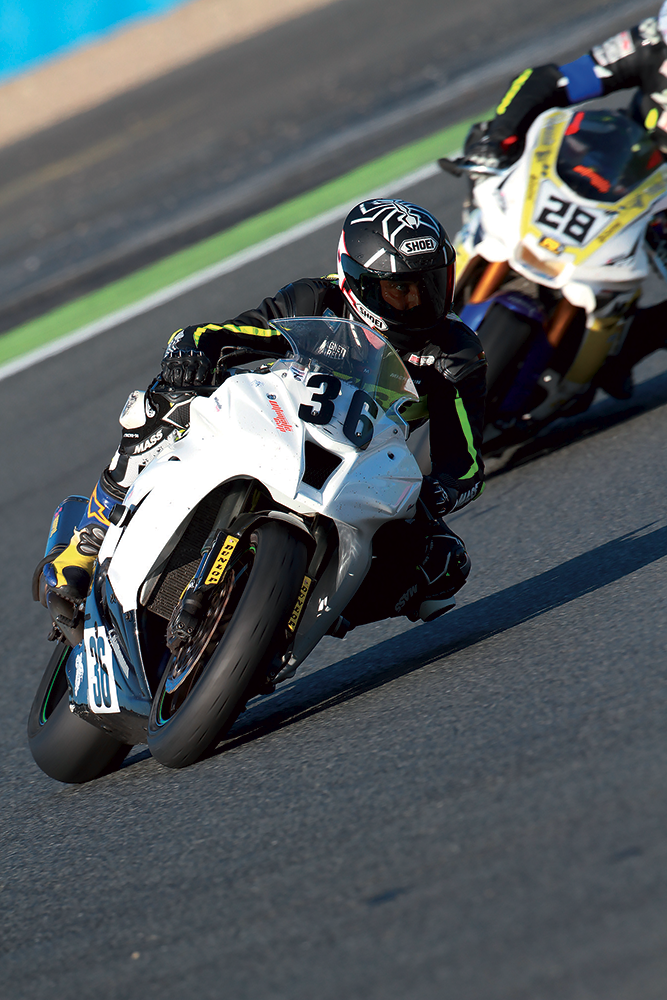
(351, 352)
(605, 154)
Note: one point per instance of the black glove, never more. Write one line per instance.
(492, 152)
(183, 368)
(438, 497)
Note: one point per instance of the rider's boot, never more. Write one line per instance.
(443, 569)
(646, 335)
(69, 573)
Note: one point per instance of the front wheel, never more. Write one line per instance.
(65, 746)
(207, 682)
(506, 337)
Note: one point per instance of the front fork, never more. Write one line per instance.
(605, 331)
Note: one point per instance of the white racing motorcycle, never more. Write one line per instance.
(232, 554)
(552, 258)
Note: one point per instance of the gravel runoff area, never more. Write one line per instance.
(129, 57)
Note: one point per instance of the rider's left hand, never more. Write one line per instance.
(184, 368)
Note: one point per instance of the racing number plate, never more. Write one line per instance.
(102, 694)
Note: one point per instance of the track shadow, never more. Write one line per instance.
(462, 629)
(602, 416)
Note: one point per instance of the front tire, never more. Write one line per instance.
(206, 685)
(65, 746)
(506, 338)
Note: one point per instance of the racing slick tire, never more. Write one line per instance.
(65, 746)
(506, 338)
(206, 685)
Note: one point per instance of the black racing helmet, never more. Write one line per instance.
(396, 269)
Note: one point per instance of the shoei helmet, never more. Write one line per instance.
(396, 269)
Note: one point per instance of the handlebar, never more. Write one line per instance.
(462, 167)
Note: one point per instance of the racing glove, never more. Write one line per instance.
(183, 368)
(487, 150)
(438, 496)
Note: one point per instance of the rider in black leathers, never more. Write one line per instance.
(396, 273)
(637, 58)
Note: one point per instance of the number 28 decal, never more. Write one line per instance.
(358, 424)
(556, 215)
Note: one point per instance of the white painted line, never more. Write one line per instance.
(207, 274)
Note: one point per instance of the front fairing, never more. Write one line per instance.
(553, 235)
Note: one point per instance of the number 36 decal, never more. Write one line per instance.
(358, 424)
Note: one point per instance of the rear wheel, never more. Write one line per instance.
(208, 681)
(65, 746)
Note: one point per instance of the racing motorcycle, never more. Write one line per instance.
(552, 256)
(233, 552)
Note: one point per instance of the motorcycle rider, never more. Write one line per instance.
(636, 57)
(396, 270)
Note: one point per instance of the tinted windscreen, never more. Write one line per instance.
(605, 155)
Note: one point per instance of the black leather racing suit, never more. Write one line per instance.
(636, 57)
(449, 371)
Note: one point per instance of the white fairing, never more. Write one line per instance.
(552, 235)
(250, 428)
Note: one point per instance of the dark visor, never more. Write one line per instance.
(412, 300)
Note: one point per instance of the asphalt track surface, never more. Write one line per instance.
(472, 809)
(243, 129)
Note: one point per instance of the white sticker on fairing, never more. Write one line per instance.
(79, 672)
(102, 694)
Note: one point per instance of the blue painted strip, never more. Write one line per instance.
(33, 30)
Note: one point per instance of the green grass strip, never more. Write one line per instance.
(126, 291)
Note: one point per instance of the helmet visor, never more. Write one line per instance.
(412, 301)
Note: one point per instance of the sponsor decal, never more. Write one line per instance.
(220, 564)
(56, 521)
(300, 602)
(424, 245)
(614, 49)
(468, 495)
(649, 32)
(150, 442)
(599, 182)
(279, 419)
(367, 315)
(549, 243)
(405, 598)
(334, 350)
(174, 342)
(79, 672)
(421, 359)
